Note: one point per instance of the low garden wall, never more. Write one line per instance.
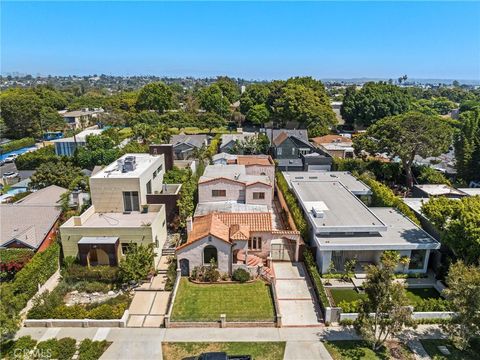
(121, 323)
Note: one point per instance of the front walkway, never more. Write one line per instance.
(296, 298)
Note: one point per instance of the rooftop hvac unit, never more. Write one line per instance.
(318, 213)
(129, 164)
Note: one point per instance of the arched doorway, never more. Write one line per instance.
(209, 254)
(184, 267)
(98, 257)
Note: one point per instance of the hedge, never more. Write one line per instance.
(17, 144)
(106, 274)
(383, 196)
(32, 160)
(24, 286)
(316, 278)
(92, 350)
(291, 200)
(12, 261)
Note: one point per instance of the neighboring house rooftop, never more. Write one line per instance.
(470, 191)
(31, 219)
(193, 140)
(80, 137)
(273, 134)
(49, 196)
(439, 190)
(138, 163)
(77, 113)
(262, 160)
(346, 178)
(329, 139)
(331, 207)
(400, 233)
(228, 207)
(227, 138)
(233, 173)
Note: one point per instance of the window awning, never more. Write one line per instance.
(98, 240)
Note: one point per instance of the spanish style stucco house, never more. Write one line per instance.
(234, 240)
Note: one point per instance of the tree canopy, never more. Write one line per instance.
(373, 102)
(467, 146)
(213, 100)
(156, 96)
(406, 136)
(459, 225)
(58, 173)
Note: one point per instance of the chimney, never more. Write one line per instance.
(77, 221)
(189, 225)
(167, 151)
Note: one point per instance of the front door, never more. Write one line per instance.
(184, 267)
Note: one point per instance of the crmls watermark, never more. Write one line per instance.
(25, 354)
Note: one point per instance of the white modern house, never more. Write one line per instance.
(120, 213)
(67, 146)
(342, 227)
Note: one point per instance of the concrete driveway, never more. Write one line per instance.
(295, 294)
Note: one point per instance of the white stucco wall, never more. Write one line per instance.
(259, 187)
(194, 253)
(232, 191)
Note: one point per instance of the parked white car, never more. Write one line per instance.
(11, 158)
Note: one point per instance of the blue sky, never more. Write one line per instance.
(250, 40)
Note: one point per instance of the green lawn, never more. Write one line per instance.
(431, 347)
(356, 350)
(258, 350)
(348, 295)
(413, 294)
(240, 302)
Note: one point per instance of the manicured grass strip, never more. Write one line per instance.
(258, 350)
(353, 349)
(431, 347)
(415, 294)
(345, 295)
(240, 302)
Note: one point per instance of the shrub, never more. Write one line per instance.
(34, 159)
(138, 262)
(106, 311)
(346, 322)
(171, 273)
(291, 200)
(383, 196)
(432, 304)
(91, 350)
(66, 348)
(45, 304)
(18, 349)
(74, 273)
(349, 306)
(205, 273)
(92, 286)
(62, 349)
(383, 171)
(17, 144)
(241, 275)
(12, 261)
(316, 278)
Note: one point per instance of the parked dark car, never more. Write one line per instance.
(219, 356)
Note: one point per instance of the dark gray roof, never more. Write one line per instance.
(194, 140)
(298, 133)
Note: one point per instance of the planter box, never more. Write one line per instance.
(78, 322)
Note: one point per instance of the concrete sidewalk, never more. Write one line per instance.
(145, 343)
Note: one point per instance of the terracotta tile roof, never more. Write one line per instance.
(228, 226)
(254, 160)
(256, 221)
(280, 138)
(328, 139)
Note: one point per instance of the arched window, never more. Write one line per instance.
(209, 253)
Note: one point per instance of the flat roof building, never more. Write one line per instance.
(342, 227)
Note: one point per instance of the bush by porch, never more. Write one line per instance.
(240, 302)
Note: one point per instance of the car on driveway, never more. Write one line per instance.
(11, 158)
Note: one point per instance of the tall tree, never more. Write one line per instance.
(255, 94)
(21, 113)
(467, 146)
(459, 224)
(406, 136)
(156, 96)
(384, 311)
(211, 99)
(58, 173)
(99, 150)
(258, 114)
(464, 293)
(373, 102)
(229, 87)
